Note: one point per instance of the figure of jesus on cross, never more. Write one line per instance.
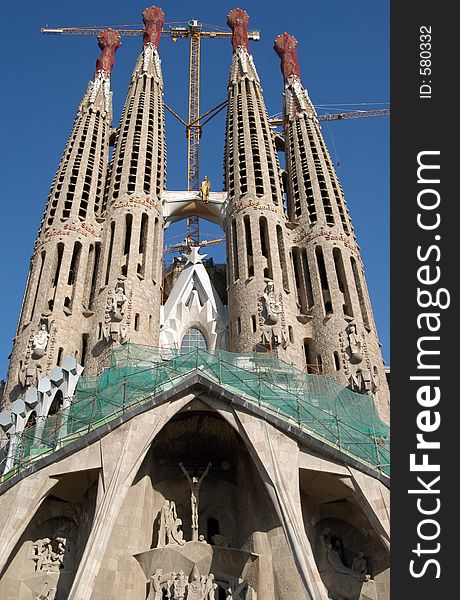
(195, 484)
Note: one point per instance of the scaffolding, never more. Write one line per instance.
(316, 404)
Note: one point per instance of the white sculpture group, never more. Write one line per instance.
(178, 586)
(169, 530)
(48, 554)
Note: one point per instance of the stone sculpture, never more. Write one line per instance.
(195, 484)
(209, 587)
(119, 300)
(180, 586)
(156, 589)
(195, 587)
(49, 554)
(363, 382)
(169, 531)
(40, 341)
(270, 306)
(355, 344)
(29, 375)
(333, 551)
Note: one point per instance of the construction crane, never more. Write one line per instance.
(192, 30)
(276, 121)
(184, 246)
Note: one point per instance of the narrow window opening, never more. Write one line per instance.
(59, 356)
(213, 528)
(342, 281)
(74, 263)
(282, 255)
(249, 251)
(360, 290)
(236, 265)
(40, 273)
(323, 278)
(307, 279)
(60, 251)
(336, 361)
(301, 299)
(84, 348)
(319, 362)
(265, 247)
(109, 255)
(309, 356)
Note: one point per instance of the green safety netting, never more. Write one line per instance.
(317, 404)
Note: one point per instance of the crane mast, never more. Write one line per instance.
(194, 128)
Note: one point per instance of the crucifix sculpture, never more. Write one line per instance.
(195, 484)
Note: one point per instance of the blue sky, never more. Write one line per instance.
(344, 59)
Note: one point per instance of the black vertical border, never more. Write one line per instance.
(418, 125)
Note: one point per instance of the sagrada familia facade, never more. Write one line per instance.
(167, 435)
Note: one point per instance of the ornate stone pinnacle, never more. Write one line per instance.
(154, 20)
(237, 20)
(286, 48)
(109, 41)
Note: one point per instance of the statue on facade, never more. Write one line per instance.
(334, 556)
(205, 189)
(194, 587)
(269, 306)
(29, 375)
(356, 343)
(359, 564)
(156, 589)
(119, 301)
(49, 554)
(209, 587)
(195, 484)
(169, 531)
(180, 586)
(40, 341)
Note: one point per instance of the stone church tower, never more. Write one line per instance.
(214, 432)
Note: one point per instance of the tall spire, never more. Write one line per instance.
(130, 273)
(260, 300)
(339, 334)
(61, 280)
